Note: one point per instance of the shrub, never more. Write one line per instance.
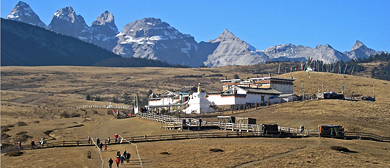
(21, 123)
(341, 149)
(14, 153)
(165, 153)
(75, 115)
(4, 136)
(21, 133)
(109, 112)
(4, 129)
(216, 150)
(65, 114)
(22, 138)
(94, 111)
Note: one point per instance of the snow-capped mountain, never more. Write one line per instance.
(67, 22)
(22, 12)
(233, 51)
(359, 50)
(104, 31)
(152, 38)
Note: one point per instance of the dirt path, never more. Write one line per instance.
(30, 99)
(123, 127)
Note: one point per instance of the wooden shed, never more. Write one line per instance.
(245, 120)
(270, 128)
(331, 130)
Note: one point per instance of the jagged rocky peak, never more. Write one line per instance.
(226, 35)
(68, 14)
(149, 27)
(67, 22)
(104, 31)
(22, 12)
(358, 44)
(280, 48)
(106, 23)
(104, 18)
(326, 46)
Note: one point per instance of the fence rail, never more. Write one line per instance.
(102, 107)
(229, 134)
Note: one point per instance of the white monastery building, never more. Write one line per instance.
(264, 90)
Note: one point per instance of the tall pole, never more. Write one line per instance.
(373, 89)
(323, 96)
(303, 90)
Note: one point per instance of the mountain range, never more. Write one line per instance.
(152, 38)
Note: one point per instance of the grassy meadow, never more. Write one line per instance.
(34, 100)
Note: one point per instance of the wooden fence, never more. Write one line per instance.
(102, 107)
(220, 134)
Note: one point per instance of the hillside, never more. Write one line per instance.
(24, 44)
(39, 96)
(27, 45)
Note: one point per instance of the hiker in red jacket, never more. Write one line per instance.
(117, 160)
(116, 138)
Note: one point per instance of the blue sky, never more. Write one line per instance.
(260, 23)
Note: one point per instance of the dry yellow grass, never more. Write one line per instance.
(54, 89)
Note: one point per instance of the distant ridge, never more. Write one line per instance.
(152, 38)
(27, 45)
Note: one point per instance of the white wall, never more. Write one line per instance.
(163, 101)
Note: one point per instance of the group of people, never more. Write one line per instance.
(120, 158)
(41, 142)
(100, 145)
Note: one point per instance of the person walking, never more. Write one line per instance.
(124, 153)
(302, 129)
(19, 145)
(121, 158)
(89, 140)
(110, 162)
(128, 157)
(118, 153)
(108, 140)
(100, 147)
(105, 147)
(42, 141)
(200, 122)
(117, 161)
(116, 138)
(32, 144)
(97, 141)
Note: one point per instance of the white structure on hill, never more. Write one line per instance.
(235, 92)
(198, 103)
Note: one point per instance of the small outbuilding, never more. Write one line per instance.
(245, 120)
(331, 130)
(270, 128)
